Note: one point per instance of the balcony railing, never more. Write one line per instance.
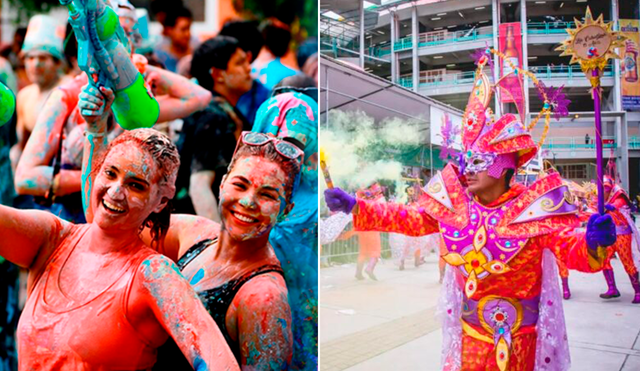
(580, 143)
(549, 28)
(567, 72)
(576, 143)
(431, 39)
(453, 79)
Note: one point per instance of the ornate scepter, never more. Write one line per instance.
(592, 43)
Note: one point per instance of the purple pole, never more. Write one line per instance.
(599, 168)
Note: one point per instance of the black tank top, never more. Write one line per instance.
(217, 301)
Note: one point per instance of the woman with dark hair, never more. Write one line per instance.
(235, 271)
(99, 299)
(293, 116)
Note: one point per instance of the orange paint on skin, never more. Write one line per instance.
(122, 197)
(251, 198)
(256, 318)
(106, 278)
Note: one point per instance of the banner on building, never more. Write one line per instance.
(629, 66)
(511, 84)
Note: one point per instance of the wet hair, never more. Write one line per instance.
(167, 159)
(174, 14)
(276, 39)
(213, 53)
(248, 36)
(291, 168)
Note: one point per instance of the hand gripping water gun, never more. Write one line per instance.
(7, 104)
(103, 50)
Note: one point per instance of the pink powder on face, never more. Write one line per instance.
(501, 163)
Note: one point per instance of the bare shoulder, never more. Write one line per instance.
(157, 268)
(265, 290)
(26, 94)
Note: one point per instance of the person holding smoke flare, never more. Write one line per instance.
(99, 299)
(500, 303)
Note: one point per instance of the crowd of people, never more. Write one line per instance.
(192, 244)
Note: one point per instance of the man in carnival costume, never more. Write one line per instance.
(500, 303)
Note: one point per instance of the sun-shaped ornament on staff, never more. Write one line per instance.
(592, 43)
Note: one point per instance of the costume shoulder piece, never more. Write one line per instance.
(445, 199)
(619, 196)
(545, 207)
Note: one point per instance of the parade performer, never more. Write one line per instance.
(99, 299)
(581, 196)
(294, 117)
(402, 247)
(369, 243)
(619, 207)
(500, 302)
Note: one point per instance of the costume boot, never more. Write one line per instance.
(370, 267)
(359, 268)
(566, 293)
(401, 264)
(635, 282)
(612, 292)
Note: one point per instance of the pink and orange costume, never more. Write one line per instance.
(620, 209)
(501, 304)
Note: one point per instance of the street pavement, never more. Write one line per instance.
(391, 324)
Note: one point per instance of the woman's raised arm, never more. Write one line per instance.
(27, 233)
(178, 309)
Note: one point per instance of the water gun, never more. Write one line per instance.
(104, 55)
(7, 104)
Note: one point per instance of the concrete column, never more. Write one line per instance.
(362, 34)
(622, 129)
(394, 60)
(622, 146)
(617, 89)
(495, 20)
(415, 30)
(525, 53)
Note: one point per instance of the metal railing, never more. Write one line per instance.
(431, 39)
(577, 143)
(568, 72)
(346, 251)
(428, 39)
(549, 28)
(453, 79)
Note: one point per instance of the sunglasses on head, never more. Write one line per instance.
(284, 148)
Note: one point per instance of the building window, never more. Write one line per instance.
(574, 171)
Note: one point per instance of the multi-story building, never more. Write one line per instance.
(426, 46)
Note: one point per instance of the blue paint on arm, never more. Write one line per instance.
(199, 364)
(197, 277)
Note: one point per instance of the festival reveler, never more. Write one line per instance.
(500, 303)
(99, 298)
